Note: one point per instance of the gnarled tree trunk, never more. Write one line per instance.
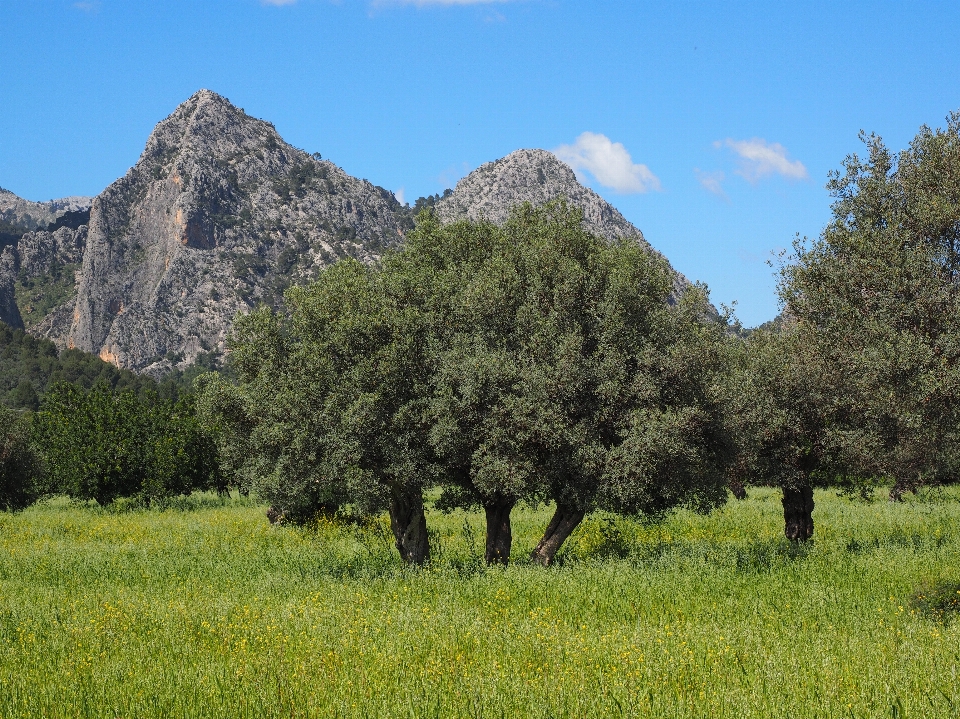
(499, 534)
(409, 525)
(798, 513)
(739, 491)
(565, 520)
(900, 487)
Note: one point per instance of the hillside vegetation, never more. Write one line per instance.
(29, 365)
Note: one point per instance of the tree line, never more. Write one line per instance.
(536, 363)
(73, 424)
(29, 365)
(103, 444)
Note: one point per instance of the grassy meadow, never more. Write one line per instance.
(202, 609)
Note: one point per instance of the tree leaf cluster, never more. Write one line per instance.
(19, 464)
(103, 444)
(860, 380)
(530, 362)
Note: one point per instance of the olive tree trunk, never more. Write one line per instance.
(499, 534)
(737, 488)
(798, 513)
(409, 525)
(900, 487)
(565, 520)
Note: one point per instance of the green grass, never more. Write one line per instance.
(204, 610)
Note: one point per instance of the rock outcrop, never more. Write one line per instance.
(36, 215)
(218, 215)
(9, 312)
(47, 279)
(41, 251)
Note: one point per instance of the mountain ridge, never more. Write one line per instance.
(219, 214)
(35, 215)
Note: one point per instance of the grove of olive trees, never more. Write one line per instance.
(485, 366)
(532, 362)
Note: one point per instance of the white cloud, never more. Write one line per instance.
(609, 162)
(277, 2)
(759, 158)
(712, 182)
(401, 196)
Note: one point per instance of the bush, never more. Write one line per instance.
(104, 444)
(19, 468)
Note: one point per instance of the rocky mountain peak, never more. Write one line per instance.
(207, 124)
(219, 214)
(537, 177)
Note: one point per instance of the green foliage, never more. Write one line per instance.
(321, 414)
(876, 308)
(19, 468)
(346, 233)
(247, 264)
(28, 365)
(779, 406)
(103, 444)
(407, 215)
(214, 613)
(38, 295)
(941, 600)
(561, 371)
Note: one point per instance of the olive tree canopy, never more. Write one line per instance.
(529, 362)
(876, 303)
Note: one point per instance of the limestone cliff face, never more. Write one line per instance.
(537, 177)
(218, 215)
(40, 251)
(48, 271)
(9, 312)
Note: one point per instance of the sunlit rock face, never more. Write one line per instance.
(218, 215)
(537, 177)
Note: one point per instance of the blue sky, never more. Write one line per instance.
(711, 126)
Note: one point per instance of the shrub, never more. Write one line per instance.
(18, 463)
(104, 444)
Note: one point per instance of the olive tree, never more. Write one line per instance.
(791, 424)
(876, 301)
(326, 410)
(564, 373)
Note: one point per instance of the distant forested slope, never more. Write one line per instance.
(28, 365)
